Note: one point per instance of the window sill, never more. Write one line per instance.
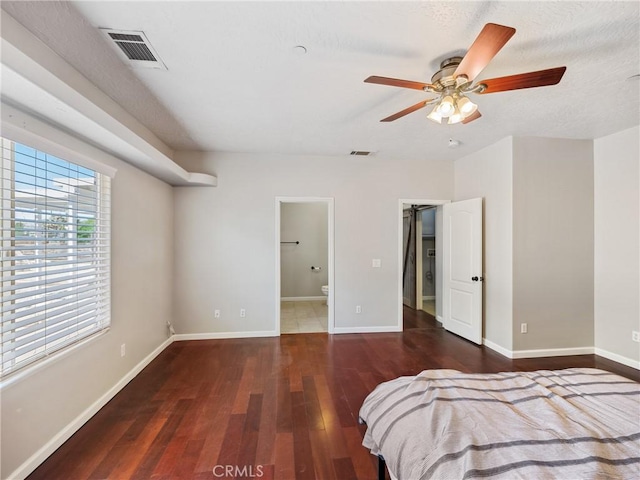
(22, 374)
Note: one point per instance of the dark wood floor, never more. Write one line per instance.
(281, 408)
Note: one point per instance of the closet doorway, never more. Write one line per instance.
(420, 260)
(304, 265)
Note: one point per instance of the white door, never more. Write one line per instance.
(462, 269)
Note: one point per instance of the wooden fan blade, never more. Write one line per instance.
(409, 110)
(395, 82)
(474, 116)
(489, 42)
(541, 78)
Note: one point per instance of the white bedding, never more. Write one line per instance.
(565, 424)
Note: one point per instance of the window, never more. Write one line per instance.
(55, 219)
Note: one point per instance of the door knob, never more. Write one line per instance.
(475, 279)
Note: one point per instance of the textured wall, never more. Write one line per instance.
(224, 232)
(617, 243)
(552, 243)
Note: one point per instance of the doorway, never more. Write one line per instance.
(304, 264)
(458, 232)
(420, 260)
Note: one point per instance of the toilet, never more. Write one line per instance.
(325, 292)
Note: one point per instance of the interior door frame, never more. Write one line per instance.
(329, 201)
(401, 202)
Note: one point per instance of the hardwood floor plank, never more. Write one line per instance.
(332, 425)
(254, 412)
(186, 464)
(335, 380)
(363, 462)
(231, 444)
(344, 469)
(284, 422)
(295, 377)
(213, 442)
(107, 465)
(160, 442)
(135, 452)
(302, 456)
(289, 404)
(314, 413)
(284, 468)
(170, 456)
(265, 452)
(322, 462)
(244, 390)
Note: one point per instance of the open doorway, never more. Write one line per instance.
(304, 265)
(420, 263)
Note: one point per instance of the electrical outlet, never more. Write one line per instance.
(635, 336)
(358, 309)
(216, 313)
(523, 328)
(243, 312)
(123, 350)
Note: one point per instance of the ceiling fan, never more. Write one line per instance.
(455, 78)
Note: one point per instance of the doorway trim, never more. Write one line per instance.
(401, 202)
(329, 201)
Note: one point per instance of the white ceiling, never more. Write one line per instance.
(234, 82)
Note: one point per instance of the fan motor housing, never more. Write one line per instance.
(443, 78)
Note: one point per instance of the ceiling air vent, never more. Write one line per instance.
(361, 153)
(134, 48)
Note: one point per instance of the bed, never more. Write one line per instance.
(578, 423)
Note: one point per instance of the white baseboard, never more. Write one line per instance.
(553, 352)
(546, 352)
(387, 329)
(303, 299)
(497, 348)
(440, 319)
(52, 445)
(618, 358)
(221, 335)
(562, 352)
(428, 297)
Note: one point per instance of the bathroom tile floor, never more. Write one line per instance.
(303, 317)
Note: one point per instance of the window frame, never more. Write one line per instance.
(84, 275)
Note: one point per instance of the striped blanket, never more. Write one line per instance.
(578, 423)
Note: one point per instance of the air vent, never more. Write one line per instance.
(361, 153)
(134, 48)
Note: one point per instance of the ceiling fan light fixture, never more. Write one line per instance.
(455, 117)
(456, 77)
(435, 116)
(446, 106)
(466, 106)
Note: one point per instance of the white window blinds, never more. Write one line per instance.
(55, 220)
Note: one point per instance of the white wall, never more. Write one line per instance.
(552, 243)
(223, 233)
(40, 406)
(488, 174)
(305, 223)
(617, 244)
